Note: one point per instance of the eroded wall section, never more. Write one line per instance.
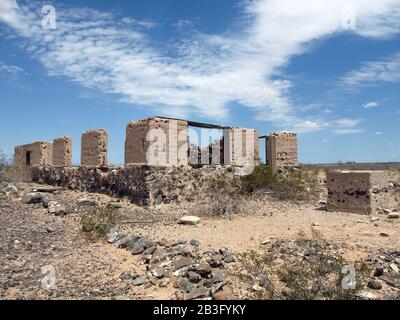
(157, 141)
(94, 147)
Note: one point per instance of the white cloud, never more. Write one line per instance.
(369, 105)
(372, 72)
(346, 123)
(207, 71)
(378, 133)
(347, 131)
(346, 126)
(307, 126)
(10, 72)
(142, 23)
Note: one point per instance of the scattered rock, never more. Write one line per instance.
(57, 209)
(84, 202)
(121, 243)
(393, 215)
(31, 198)
(194, 277)
(265, 283)
(257, 288)
(184, 285)
(195, 243)
(139, 281)
(383, 234)
(226, 293)
(387, 211)
(198, 293)
(379, 271)
(128, 275)
(366, 295)
(229, 258)
(10, 189)
(183, 262)
(114, 235)
(137, 248)
(164, 283)
(203, 269)
(375, 285)
(215, 261)
(158, 272)
(189, 220)
(49, 230)
(394, 267)
(219, 275)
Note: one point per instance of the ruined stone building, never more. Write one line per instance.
(161, 165)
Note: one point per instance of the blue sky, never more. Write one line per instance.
(267, 64)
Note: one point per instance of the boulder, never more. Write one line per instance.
(183, 262)
(31, 198)
(189, 220)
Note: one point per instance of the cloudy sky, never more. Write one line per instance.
(329, 70)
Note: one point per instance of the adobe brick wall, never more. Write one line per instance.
(41, 154)
(171, 149)
(364, 192)
(94, 145)
(235, 146)
(62, 152)
(282, 149)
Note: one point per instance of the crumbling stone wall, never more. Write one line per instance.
(30, 155)
(142, 184)
(62, 152)
(237, 141)
(282, 149)
(94, 147)
(362, 192)
(165, 140)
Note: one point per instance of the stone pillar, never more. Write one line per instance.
(31, 155)
(62, 152)
(94, 147)
(281, 149)
(157, 141)
(241, 146)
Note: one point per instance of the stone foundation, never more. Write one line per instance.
(142, 184)
(362, 192)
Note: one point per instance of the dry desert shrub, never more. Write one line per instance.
(312, 270)
(6, 168)
(286, 184)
